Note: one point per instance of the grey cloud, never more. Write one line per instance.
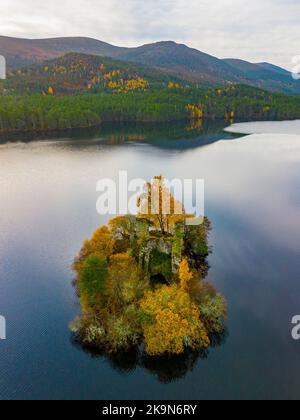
(255, 31)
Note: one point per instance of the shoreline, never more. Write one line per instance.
(265, 127)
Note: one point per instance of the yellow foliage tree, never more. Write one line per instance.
(136, 84)
(50, 90)
(159, 206)
(112, 74)
(101, 243)
(121, 85)
(185, 275)
(196, 111)
(172, 85)
(113, 85)
(172, 322)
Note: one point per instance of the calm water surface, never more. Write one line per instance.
(48, 207)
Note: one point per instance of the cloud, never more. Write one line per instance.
(255, 31)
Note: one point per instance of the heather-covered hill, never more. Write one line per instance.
(79, 73)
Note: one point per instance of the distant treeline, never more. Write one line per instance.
(43, 113)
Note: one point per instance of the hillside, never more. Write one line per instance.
(274, 68)
(186, 63)
(189, 63)
(198, 67)
(23, 52)
(265, 75)
(78, 73)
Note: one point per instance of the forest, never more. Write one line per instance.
(53, 112)
(81, 91)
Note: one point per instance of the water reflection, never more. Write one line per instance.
(166, 369)
(179, 135)
(48, 207)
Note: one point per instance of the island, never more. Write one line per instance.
(141, 281)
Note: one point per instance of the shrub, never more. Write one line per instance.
(92, 278)
(213, 312)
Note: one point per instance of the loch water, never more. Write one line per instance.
(48, 207)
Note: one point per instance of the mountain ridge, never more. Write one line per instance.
(20, 52)
(168, 56)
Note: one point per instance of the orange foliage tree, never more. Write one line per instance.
(101, 244)
(171, 322)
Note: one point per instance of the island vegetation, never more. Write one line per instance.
(141, 282)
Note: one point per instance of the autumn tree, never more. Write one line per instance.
(171, 322)
(195, 111)
(172, 85)
(158, 205)
(101, 243)
(126, 284)
(185, 275)
(50, 90)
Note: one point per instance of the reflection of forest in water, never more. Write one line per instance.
(163, 135)
(167, 369)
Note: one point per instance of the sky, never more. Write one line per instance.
(253, 30)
